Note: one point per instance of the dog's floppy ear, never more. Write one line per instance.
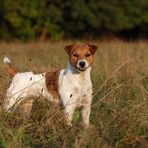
(93, 48)
(69, 48)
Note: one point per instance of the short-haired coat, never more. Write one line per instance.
(71, 86)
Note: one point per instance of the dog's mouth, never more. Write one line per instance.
(82, 65)
(81, 69)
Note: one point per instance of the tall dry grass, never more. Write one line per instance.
(119, 116)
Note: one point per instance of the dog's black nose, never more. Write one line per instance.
(82, 64)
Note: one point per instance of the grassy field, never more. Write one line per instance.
(119, 116)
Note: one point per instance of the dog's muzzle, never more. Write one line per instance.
(82, 65)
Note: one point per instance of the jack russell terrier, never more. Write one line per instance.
(71, 86)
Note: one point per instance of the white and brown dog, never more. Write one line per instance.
(71, 86)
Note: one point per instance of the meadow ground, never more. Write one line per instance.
(119, 116)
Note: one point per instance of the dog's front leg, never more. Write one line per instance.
(86, 112)
(69, 110)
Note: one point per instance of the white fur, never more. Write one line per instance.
(6, 60)
(25, 85)
(75, 89)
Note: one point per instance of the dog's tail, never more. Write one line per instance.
(10, 69)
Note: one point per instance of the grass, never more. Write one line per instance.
(119, 116)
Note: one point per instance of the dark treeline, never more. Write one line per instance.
(29, 19)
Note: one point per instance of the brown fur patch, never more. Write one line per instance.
(11, 70)
(51, 81)
(81, 53)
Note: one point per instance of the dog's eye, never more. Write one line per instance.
(75, 55)
(88, 55)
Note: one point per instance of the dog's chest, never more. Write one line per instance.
(81, 92)
(82, 88)
(77, 86)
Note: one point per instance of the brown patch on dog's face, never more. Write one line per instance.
(81, 57)
(51, 81)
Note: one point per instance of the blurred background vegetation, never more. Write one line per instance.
(119, 116)
(56, 19)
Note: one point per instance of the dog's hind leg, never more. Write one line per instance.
(12, 101)
(26, 106)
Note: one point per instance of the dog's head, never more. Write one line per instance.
(81, 57)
